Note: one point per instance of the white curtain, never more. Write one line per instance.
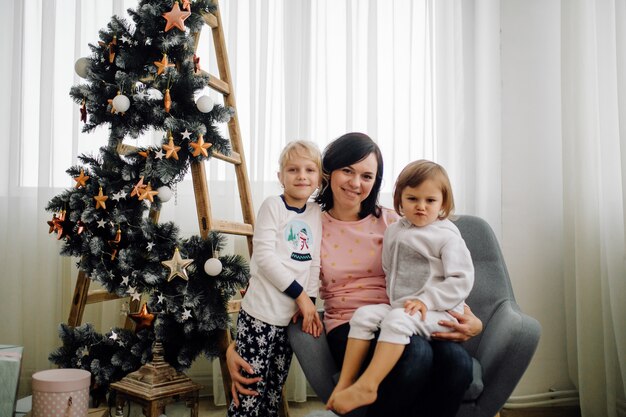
(302, 69)
(423, 78)
(594, 164)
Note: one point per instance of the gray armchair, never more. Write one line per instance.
(504, 349)
(501, 352)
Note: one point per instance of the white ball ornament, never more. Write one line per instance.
(205, 104)
(213, 267)
(80, 66)
(165, 193)
(121, 103)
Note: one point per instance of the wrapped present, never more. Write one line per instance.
(61, 393)
(10, 365)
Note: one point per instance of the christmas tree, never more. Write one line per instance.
(139, 77)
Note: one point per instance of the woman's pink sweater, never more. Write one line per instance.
(352, 273)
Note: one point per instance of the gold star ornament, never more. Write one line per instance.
(178, 266)
(200, 147)
(81, 180)
(162, 65)
(100, 200)
(176, 18)
(171, 150)
(148, 194)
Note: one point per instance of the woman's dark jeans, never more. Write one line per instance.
(429, 380)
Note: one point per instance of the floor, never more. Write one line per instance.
(207, 409)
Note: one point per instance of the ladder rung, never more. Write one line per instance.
(210, 20)
(217, 84)
(232, 228)
(233, 158)
(97, 296)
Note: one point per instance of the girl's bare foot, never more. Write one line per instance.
(355, 396)
(338, 388)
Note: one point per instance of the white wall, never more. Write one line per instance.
(532, 183)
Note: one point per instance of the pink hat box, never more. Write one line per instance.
(61, 393)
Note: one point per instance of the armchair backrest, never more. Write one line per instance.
(492, 284)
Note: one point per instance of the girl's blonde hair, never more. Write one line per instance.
(302, 148)
(416, 173)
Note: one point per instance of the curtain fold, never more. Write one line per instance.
(593, 150)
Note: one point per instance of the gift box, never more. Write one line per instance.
(61, 393)
(10, 366)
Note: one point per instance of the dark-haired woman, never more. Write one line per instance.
(431, 377)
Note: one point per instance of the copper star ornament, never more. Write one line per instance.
(171, 150)
(162, 65)
(52, 223)
(81, 180)
(176, 18)
(143, 319)
(200, 147)
(148, 194)
(177, 266)
(100, 200)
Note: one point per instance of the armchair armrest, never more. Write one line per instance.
(507, 345)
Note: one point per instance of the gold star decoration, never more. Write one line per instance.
(100, 200)
(176, 18)
(171, 150)
(186, 5)
(162, 65)
(81, 180)
(148, 194)
(200, 147)
(143, 319)
(177, 266)
(115, 242)
(138, 188)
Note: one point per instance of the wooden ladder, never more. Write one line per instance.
(224, 85)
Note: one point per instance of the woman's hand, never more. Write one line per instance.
(239, 382)
(467, 327)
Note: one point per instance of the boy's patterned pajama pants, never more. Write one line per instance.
(266, 348)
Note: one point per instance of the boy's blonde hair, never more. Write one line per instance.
(416, 173)
(302, 148)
